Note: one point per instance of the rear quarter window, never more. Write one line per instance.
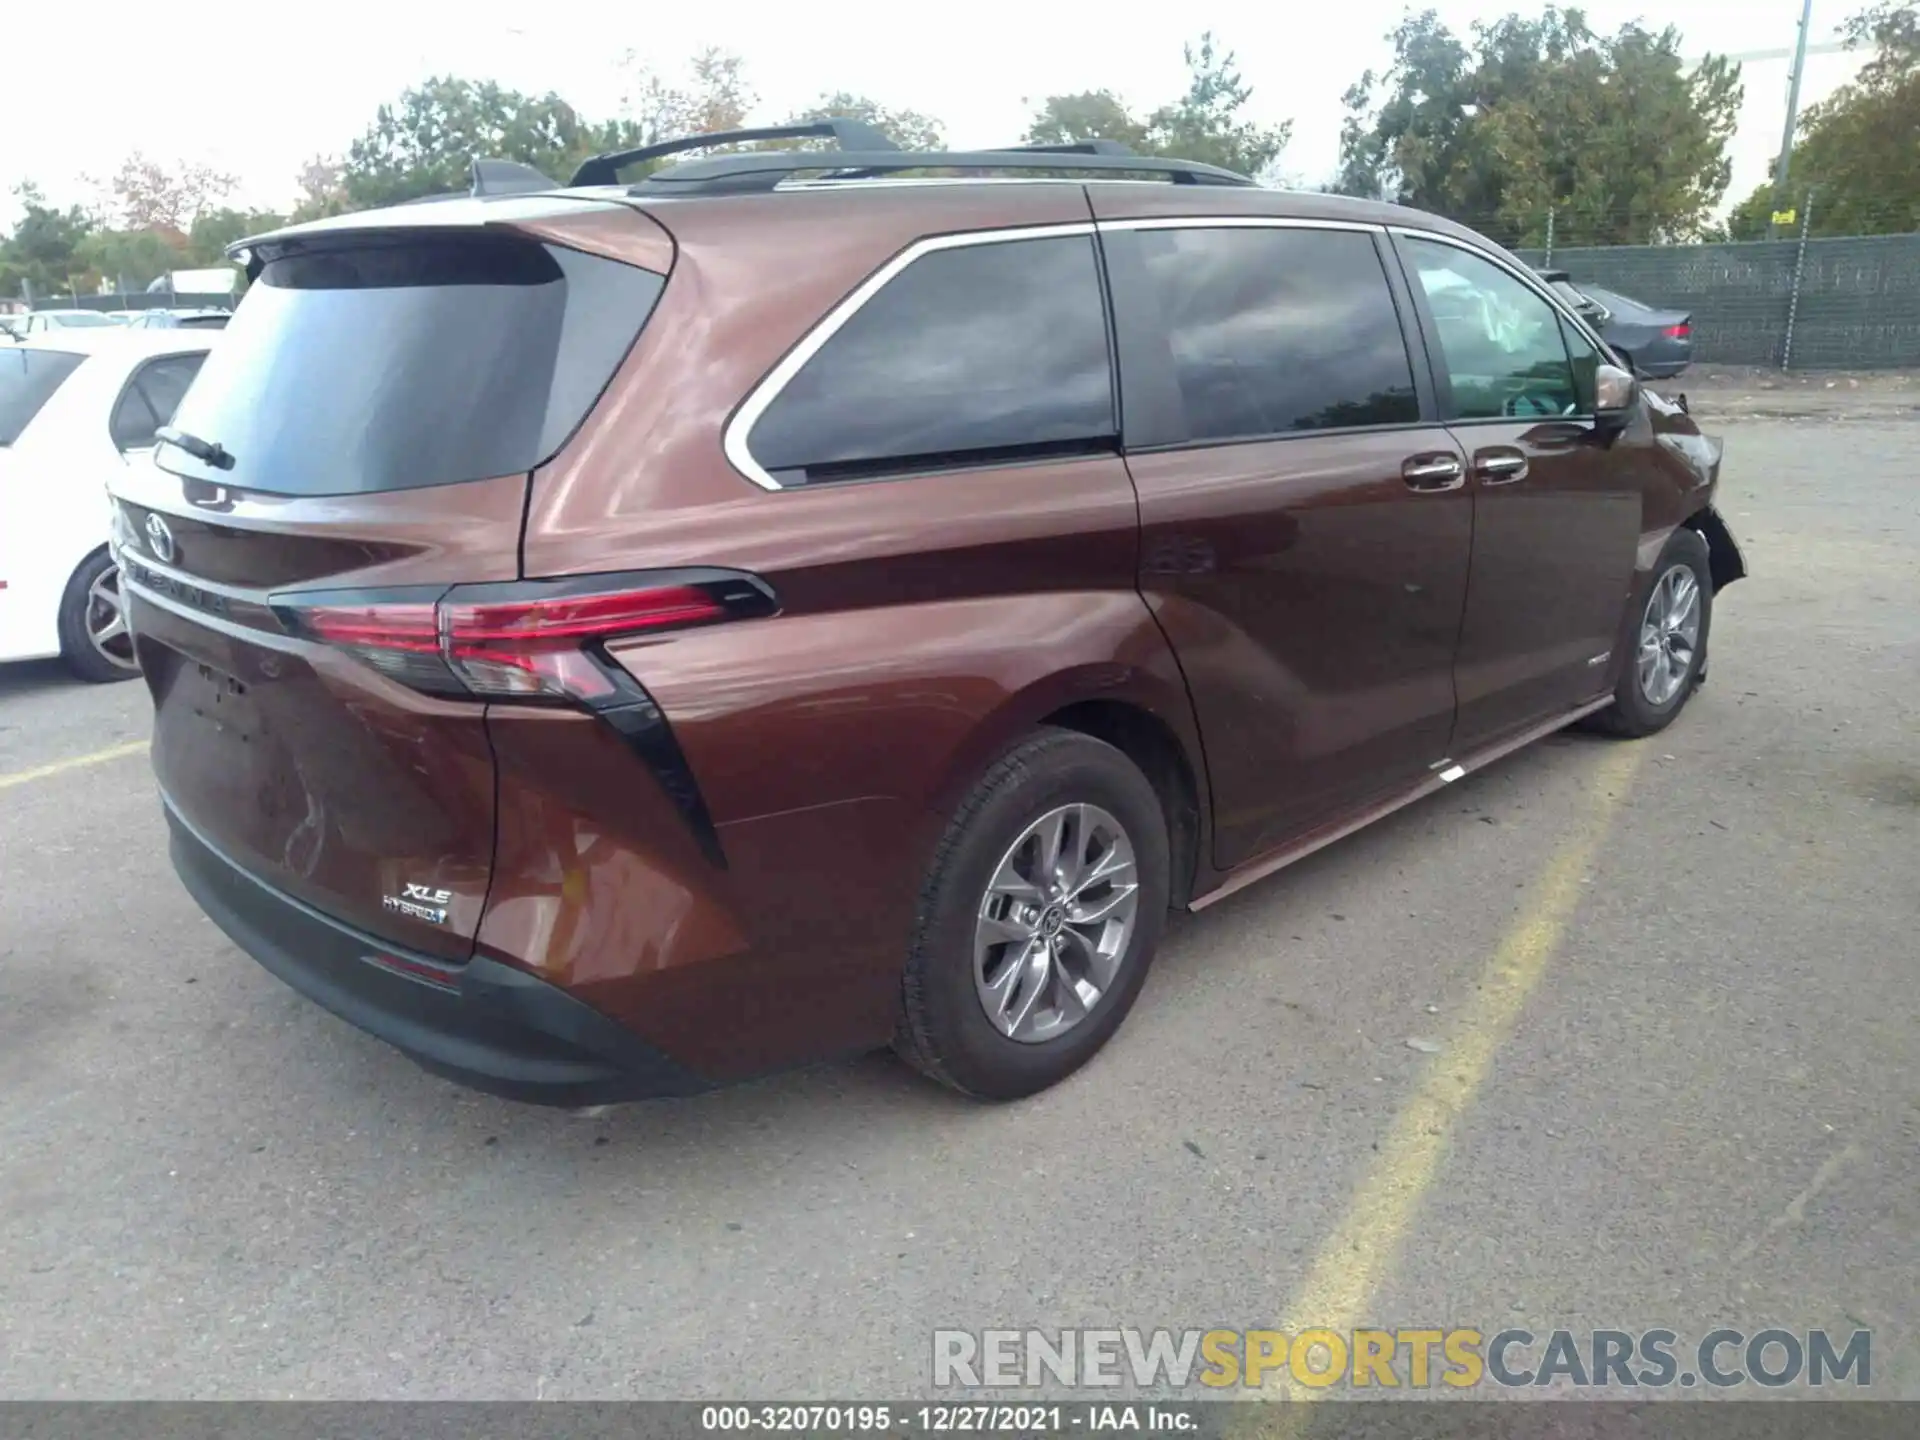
(972, 354)
(152, 395)
(395, 363)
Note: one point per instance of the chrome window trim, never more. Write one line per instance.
(1239, 222)
(763, 394)
(734, 438)
(881, 182)
(1519, 272)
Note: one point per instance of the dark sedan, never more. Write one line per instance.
(1658, 343)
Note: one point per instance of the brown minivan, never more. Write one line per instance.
(616, 639)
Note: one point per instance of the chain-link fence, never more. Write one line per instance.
(1829, 304)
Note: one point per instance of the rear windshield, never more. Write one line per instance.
(395, 364)
(28, 379)
(82, 319)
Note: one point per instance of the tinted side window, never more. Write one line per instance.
(1500, 343)
(1277, 330)
(968, 355)
(151, 397)
(28, 379)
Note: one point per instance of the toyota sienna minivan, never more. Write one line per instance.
(615, 639)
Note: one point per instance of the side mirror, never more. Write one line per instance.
(1615, 392)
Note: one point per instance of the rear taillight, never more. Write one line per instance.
(537, 640)
(1679, 332)
(528, 648)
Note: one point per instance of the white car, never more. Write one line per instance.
(74, 405)
(53, 322)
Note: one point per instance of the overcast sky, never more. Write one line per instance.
(254, 90)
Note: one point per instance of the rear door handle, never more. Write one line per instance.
(1434, 471)
(1499, 467)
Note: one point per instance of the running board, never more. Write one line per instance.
(1262, 866)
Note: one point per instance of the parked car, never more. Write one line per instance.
(611, 640)
(1657, 344)
(180, 320)
(76, 406)
(42, 322)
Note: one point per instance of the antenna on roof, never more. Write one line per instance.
(848, 134)
(507, 177)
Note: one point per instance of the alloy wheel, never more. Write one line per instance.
(106, 621)
(1669, 635)
(1055, 923)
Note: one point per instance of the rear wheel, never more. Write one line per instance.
(94, 639)
(1038, 921)
(1669, 642)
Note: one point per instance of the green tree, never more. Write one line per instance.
(1207, 123)
(1613, 134)
(146, 195)
(40, 251)
(424, 143)
(127, 260)
(1858, 150)
(713, 96)
(323, 188)
(909, 129)
(1087, 115)
(215, 230)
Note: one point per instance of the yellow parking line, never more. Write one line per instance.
(77, 762)
(1347, 1272)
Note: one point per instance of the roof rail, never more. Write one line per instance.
(764, 169)
(847, 133)
(1075, 147)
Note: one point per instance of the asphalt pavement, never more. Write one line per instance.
(1663, 996)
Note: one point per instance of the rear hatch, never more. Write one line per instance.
(355, 450)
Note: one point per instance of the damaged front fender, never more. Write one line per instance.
(1724, 559)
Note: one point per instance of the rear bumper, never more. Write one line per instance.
(499, 1029)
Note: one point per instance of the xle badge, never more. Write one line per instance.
(420, 902)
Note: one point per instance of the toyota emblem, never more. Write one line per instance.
(160, 539)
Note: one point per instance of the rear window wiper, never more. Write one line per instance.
(206, 451)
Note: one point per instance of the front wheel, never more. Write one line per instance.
(94, 639)
(1038, 920)
(1669, 643)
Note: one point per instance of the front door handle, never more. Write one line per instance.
(1499, 467)
(1435, 471)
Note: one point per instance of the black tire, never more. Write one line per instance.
(943, 1027)
(1632, 715)
(76, 649)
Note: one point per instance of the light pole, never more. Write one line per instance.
(1783, 165)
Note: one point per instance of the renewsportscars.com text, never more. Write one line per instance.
(1417, 1359)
